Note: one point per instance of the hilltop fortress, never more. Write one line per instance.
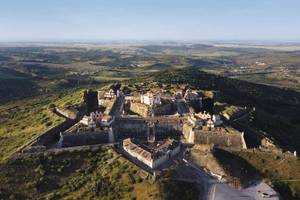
(148, 127)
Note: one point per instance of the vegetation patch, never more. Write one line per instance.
(87, 173)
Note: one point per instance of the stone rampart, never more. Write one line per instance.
(166, 109)
(222, 137)
(71, 114)
(52, 135)
(83, 138)
(138, 127)
(219, 138)
(124, 128)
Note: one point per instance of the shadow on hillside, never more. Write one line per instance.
(237, 168)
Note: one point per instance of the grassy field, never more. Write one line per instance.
(21, 121)
(70, 100)
(24, 120)
(97, 173)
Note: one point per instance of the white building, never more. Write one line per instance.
(86, 120)
(110, 94)
(194, 121)
(92, 120)
(204, 118)
(156, 156)
(97, 119)
(150, 99)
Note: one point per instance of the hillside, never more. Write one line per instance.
(35, 69)
(86, 173)
(280, 170)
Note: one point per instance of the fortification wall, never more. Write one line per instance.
(52, 135)
(67, 113)
(71, 113)
(138, 127)
(166, 109)
(253, 140)
(117, 107)
(163, 131)
(84, 138)
(168, 120)
(222, 139)
(174, 120)
(124, 128)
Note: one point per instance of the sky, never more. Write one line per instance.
(97, 20)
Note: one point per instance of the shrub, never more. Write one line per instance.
(132, 179)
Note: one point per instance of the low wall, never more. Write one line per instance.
(67, 113)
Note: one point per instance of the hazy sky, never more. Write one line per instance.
(150, 19)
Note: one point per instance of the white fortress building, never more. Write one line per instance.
(92, 120)
(204, 118)
(151, 99)
(97, 119)
(110, 94)
(153, 154)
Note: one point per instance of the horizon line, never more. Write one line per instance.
(122, 41)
